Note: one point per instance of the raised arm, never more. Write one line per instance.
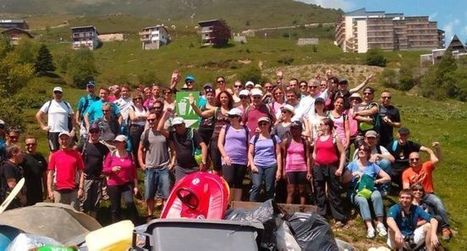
(432, 154)
(362, 85)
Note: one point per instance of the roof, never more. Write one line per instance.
(456, 45)
(364, 12)
(210, 22)
(12, 21)
(18, 29)
(156, 26)
(84, 27)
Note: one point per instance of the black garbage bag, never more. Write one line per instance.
(312, 232)
(269, 214)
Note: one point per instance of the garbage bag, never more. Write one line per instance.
(285, 239)
(344, 246)
(31, 241)
(312, 232)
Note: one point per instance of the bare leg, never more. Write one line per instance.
(290, 193)
(302, 192)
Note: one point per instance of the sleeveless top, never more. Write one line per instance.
(140, 113)
(339, 125)
(206, 122)
(326, 152)
(295, 161)
(219, 121)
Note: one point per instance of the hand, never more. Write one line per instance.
(116, 169)
(80, 193)
(227, 160)
(51, 196)
(399, 239)
(202, 167)
(143, 167)
(434, 240)
(278, 175)
(309, 176)
(356, 175)
(191, 99)
(135, 190)
(175, 76)
(279, 74)
(45, 128)
(171, 166)
(254, 169)
(435, 144)
(338, 172)
(369, 77)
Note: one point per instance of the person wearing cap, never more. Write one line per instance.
(343, 91)
(93, 153)
(222, 86)
(282, 129)
(233, 146)
(256, 110)
(202, 98)
(265, 160)
(189, 83)
(95, 111)
(245, 99)
(34, 171)
(297, 161)
(379, 154)
(59, 118)
(83, 105)
(390, 118)
(237, 88)
(249, 85)
(64, 170)
(122, 181)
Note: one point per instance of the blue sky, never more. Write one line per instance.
(451, 15)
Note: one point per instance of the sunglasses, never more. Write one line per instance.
(220, 81)
(284, 111)
(157, 107)
(386, 97)
(256, 97)
(189, 82)
(31, 144)
(312, 86)
(243, 97)
(151, 120)
(93, 132)
(57, 92)
(237, 86)
(233, 116)
(105, 110)
(414, 159)
(137, 99)
(417, 190)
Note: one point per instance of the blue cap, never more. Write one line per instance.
(190, 78)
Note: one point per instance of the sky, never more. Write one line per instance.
(451, 15)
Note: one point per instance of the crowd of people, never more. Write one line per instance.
(295, 141)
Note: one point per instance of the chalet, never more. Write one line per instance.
(153, 37)
(84, 37)
(456, 48)
(12, 23)
(214, 32)
(16, 34)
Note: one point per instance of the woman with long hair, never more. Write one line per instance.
(341, 122)
(278, 101)
(137, 114)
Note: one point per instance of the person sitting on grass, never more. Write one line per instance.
(410, 223)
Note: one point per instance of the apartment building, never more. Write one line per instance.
(361, 30)
(214, 32)
(153, 37)
(84, 37)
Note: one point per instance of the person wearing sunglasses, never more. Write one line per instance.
(108, 124)
(422, 173)
(282, 128)
(237, 88)
(245, 100)
(11, 172)
(344, 91)
(137, 114)
(34, 171)
(222, 86)
(265, 160)
(189, 83)
(390, 118)
(256, 110)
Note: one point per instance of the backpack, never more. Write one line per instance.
(70, 111)
(244, 127)
(256, 137)
(270, 115)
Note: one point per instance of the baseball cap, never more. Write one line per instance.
(58, 89)
(403, 130)
(371, 134)
(64, 133)
(244, 93)
(343, 81)
(264, 119)
(355, 95)
(189, 78)
(249, 83)
(2, 124)
(178, 121)
(256, 92)
(288, 108)
(296, 123)
(91, 84)
(121, 138)
(94, 127)
(235, 112)
(319, 100)
(258, 86)
(207, 86)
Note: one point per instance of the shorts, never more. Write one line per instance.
(296, 178)
(156, 180)
(52, 138)
(234, 174)
(418, 237)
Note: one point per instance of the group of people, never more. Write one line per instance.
(294, 138)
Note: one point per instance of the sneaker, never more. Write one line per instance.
(381, 230)
(370, 233)
(446, 233)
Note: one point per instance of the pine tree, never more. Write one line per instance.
(44, 62)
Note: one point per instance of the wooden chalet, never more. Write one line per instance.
(16, 34)
(214, 32)
(84, 37)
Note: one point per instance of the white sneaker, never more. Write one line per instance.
(370, 233)
(381, 230)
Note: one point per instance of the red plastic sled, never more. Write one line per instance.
(198, 195)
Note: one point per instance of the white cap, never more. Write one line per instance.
(121, 138)
(249, 83)
(256, 92)
(64, 133)
(178, 121)
(2, 122)
(288, 108)
(258, 86)
(58, 89)
(244, 93)
(265, 119)
(235, 112)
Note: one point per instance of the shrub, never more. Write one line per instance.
(375, 57)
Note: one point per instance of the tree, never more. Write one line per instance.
(442, 80)
(44, 62)
(82, 68)
(375, 57)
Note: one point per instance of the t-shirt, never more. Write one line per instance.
(66, 164)
(127, 171)
(85, 102)
(281, 130)
(236, 146)
(423, 176)
(93, 157)
(251, 116)
(305, 109)
(401, 153)
(95, 111)
(386, 130)
(264, 151)
(339, 125)
(407, 223)
(157, 156)
(8, 171)
(109, 129)
(370, 169)
(34, 167)
(185, 146)
(295, 161)
(124, 105)
(57, 115)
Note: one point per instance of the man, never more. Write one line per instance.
(189, 83)
(306, 109)
(10, 174)
(59, 117)
(367, 112)
(124, 104)
(343, 91)
(12, 137)
(186, 141)
(35, 172)
(154, 95)
(293, 84)
(390, 118)
(93, 153)
(238, 87)
(422, 174)
(95, 110)
(409, 222)
(108, 124)
(267, 98)
(256, 110)
(153, 158)
(83, 105)
(67, 166)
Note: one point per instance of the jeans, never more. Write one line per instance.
(364, 205)
(92, 195)
(116, 194)
(156, 180)
(385, 164)
(268, 174)
(437, 205)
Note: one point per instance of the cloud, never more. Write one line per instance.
(449, 29)
(345, 5)
(433, 15)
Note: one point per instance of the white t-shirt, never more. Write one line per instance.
(305, 109)
(57, 115)
(124, 105)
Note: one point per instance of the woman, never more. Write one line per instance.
(278, 102)
(233, 146)
(138, 114)
(359, 169)
(282, 129)
(244, 100)
(206, 125)
(355, 101)
(169, 101)
(120, 169)
(264, 156)
(341, 122)
(329, 158)
(220, 116)
(313, 123)
(297, 163)
(222, 86)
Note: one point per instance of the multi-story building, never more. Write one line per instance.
(153, 37)
(13, 23)
(16, 34)
(361, 30)
(84, 37)
(456, 48)
(214, 32)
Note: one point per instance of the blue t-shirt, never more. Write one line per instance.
(371, 169)
(407, 223)
(95, 111)
(85, 102)
(264, 154)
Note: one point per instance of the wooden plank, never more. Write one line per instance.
(289, 208)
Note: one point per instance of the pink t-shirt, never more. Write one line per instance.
(251, 116)
(66, 164)
(295, 161)
(126, 174)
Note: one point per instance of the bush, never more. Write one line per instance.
(286, 60)
(252, 74)
(375, 57)
(389, 78)
(82, 68)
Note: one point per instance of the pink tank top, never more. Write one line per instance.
(339, 124)
(295, 161)
(325, 152)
